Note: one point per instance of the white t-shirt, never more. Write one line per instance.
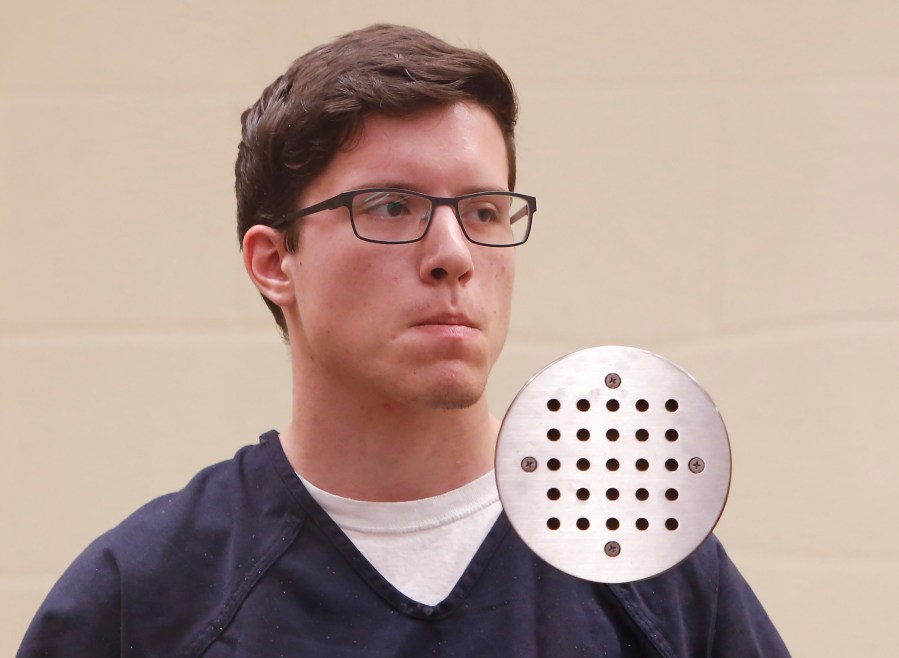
(421, 547)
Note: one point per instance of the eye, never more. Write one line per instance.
(483, 210)
(487, 214)
(382, 205)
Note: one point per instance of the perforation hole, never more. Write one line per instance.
(612, 494)
(642, 405)
(671, 465)
(553, 523)
(671, 405)
(583, 405)
(671, 524)
(641, 434)
(582, 523)
(583, 494)
(553, 494)
(583, 434)
(672, 494)
(553, 405)
(642, 494)
(671, 435)
(583, 464)
(612, 465)
(612, 434)
(642, 524)
(553, 434)
(553, 464)
(642, 465)
(612, 524)
(612, 405)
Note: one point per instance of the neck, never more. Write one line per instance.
(379, 450)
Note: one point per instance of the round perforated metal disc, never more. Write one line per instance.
(613, 464)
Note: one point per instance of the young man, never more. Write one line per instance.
(378, 221)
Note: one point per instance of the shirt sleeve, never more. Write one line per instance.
(81, 615)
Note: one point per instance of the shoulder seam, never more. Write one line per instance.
(223, 617)
(649, 629)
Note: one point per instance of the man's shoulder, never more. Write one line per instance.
(193, 507)
(173, 567)
(246, 494)
(702, 602)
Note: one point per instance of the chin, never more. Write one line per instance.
(454, 402)
(452, 395)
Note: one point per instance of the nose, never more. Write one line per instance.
(446, 252)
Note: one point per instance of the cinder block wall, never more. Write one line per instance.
(718, 182)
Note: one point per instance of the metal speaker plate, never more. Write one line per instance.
(613, 464)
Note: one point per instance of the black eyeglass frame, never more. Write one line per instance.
(345, 200)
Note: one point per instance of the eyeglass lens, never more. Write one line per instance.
(390, 216)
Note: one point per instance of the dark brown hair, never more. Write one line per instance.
(306, 115)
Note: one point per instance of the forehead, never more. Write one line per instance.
(450, 149)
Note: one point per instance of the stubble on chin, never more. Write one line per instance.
(455, 401)
(451, 395)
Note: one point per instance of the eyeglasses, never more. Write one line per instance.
(391, 216)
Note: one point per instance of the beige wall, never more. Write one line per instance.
(718, 182)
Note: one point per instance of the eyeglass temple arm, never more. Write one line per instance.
(518, 215)
(327, 204)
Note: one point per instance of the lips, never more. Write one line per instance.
(450, 319)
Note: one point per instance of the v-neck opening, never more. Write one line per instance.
(366, 571)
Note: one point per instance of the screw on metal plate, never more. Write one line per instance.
(612, 549)
(528, 464)
(696, 465)
(613, 380)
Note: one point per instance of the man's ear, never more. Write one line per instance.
(264, 254)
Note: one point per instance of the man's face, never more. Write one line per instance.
(416, 324)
